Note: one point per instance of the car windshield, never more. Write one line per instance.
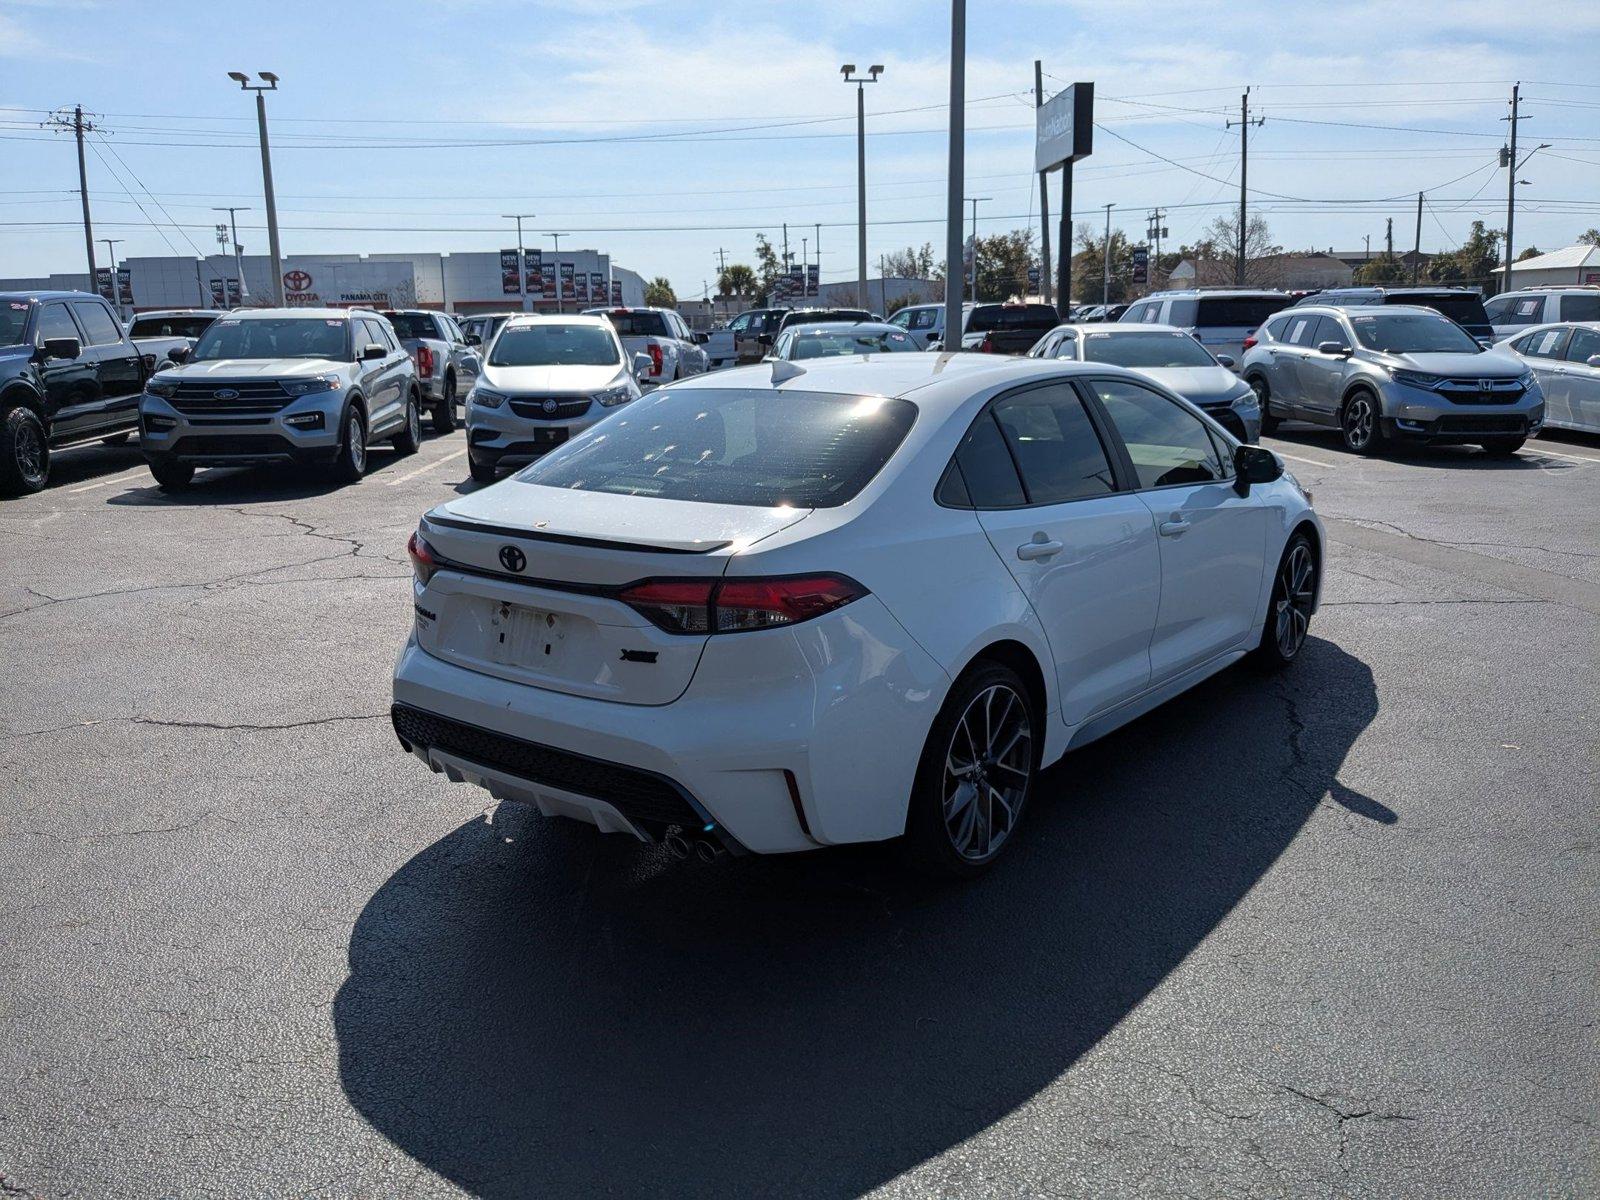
(13, 320)
(991, 317)
(745, 446)
(815, 315)
(1412, 333)
(639, 324)
(171, 326)
(1245, 311)
(1462, 309)
(274, 337)
(555, 346)
(838, 343)
(413, 325)
(1146, 350)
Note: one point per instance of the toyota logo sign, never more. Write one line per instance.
(297, 280)
(513, 559)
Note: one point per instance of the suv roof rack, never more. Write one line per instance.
(1554, 287)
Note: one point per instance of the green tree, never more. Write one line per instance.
(1089, 264)
(767, 266)
(1474, 263)
(658, 293)
(1386, 268)
(1589, 237)
(913, 263)
(1003, 261)
(737, 280)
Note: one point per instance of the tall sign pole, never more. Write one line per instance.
(956, 177)
(1044, 193)
(1244, 124)
(1064, 133)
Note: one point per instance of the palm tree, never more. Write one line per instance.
(658, 293)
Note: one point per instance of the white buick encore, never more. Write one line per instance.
(790, 606)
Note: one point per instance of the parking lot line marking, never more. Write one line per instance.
(89, 487)
(1315, 462)
(1568, 457)
(425, 469)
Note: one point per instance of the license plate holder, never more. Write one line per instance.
(523, 637)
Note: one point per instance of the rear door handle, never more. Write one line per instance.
(1176, 527)
(1040, 547)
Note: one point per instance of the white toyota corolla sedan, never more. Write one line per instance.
(792, 605)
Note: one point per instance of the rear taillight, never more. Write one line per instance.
(655, 358)
(423, 562)
(424, 361)
(1250, 341)
(738, 605)
(986, 346)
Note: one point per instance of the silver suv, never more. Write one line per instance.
(1220, 319)
(544, 380)
(282, 385)
(1389, 374)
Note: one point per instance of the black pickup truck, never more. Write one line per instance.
(68, 374)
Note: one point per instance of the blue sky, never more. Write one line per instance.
(662, 131)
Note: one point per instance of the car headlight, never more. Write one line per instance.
(161, 387)
(486, 397)
(317, 383)
(1527, 380)
(1245, 398)
(1419, 379)
(614, 396)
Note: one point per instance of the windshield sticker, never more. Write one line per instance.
(227, 320)
(15, 306)
(333, 321)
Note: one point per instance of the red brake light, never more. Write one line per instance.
(987, 345)
(1250, 341)
(738, 605)
(655, 358)
(424, 361)
(423, 563)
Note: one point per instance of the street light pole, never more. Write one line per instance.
(956, 177)
(561, 300)
(111, 245)
(1105, 284)
(522, 274)
(848, 71)
(269, 84)
(238, 250)
(974, 201)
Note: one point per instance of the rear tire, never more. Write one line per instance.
(444, 414)
(173, 476)
(1258, 385)
(483, 472)
(410, 435)
(975, 776)
(351, 463)
(1294, 590)
(1503, 449)
(24, 452)
(1361, 423)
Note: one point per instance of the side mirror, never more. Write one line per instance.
(61, 348)
(1338, 348)
(1225, 359)
(474, 340)
(180, 354)
(371, 351)
(1252, 464)
(1593, 360)
(641, 365)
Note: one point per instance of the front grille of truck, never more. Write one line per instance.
(641, 796)
(253, 399)
(566, 407)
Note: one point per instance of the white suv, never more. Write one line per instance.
(1513, 312)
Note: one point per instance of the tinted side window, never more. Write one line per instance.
(1299, 330)
(986, 467)
(1546, 343)
(97, 324)
(1278, 328)
(1167, 445)
(56, 322)
(1055, 446)
(1580, 308)
(1585, 345)
(924, 318)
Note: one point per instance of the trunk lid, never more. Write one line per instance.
(528, 591)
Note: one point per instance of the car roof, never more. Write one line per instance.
(1120, 327)
(182, 312)
(256, 314)
(852, 326)
(49, 294)
(1364, 310)
(557, 319)
(1540, 328)
(1184, 293)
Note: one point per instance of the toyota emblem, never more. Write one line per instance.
(549, 406)
(513, 559)
(297, 280)
(226, 394)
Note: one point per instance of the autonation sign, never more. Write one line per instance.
(1065, 130)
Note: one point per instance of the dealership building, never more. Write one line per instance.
(470, 282)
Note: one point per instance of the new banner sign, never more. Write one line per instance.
(1065, 128)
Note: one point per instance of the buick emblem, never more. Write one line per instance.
(226, 394)
(549, 406)
(513, 559)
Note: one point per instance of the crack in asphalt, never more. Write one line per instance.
(1391, 527)
(246, 726)
(1389, 603)
(1345, 1117)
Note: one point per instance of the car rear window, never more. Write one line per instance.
(413, 325)
(816, 316)
(1463, 310)
(639, 324)
(13, 321)
(1245, 312)
(179, 326)
(987, 318)
(746, 446)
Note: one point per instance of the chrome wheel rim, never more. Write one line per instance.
(1358, 422)
(28, 447)
(1294, 594)
(358, 444)
(987, 769)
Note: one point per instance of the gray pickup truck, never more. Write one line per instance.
(447, 360)
(166, 337)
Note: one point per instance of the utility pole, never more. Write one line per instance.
(1044, 194)
(1105, 285)
(955, 178)
(883, 286)
(1244, 124)
(817, 229)
(61, 122)
(560, 299)
(522, 274)
(850, 76)
(975, 201)
(238, 250)
(1388, 238)
(786, 247)
(270, 84)
(111, 253)
(1154, 232)
(1416, 249)
(805, 267)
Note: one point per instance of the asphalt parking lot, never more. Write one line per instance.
(1331, 932)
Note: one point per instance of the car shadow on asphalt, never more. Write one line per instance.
(537, 1009)
(1454, 458)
